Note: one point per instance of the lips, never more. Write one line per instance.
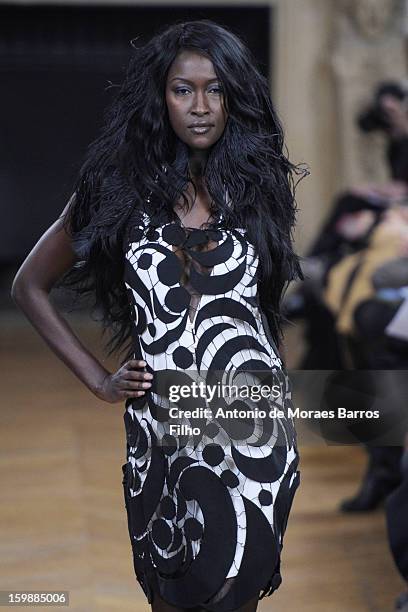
(200, 128)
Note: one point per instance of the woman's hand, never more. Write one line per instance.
(128, 381)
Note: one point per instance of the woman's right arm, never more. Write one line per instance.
(51, 257)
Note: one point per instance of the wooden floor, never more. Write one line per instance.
(63, 522)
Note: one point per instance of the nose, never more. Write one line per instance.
(200, 104)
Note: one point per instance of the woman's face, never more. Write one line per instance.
(195, 100)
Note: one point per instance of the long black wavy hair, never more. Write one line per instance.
(137, 158)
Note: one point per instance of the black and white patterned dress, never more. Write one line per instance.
(206, 511)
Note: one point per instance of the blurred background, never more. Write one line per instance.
(338, 76)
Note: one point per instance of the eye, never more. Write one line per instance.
(182, 91)
(216, 89)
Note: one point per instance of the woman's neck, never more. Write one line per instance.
(197, 161)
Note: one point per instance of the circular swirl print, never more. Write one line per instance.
(207, 494)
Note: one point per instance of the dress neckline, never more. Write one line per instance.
(218, 217)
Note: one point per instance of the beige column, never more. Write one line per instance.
(368, 49)
(304, 98)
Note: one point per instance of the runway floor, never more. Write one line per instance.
(63, 524)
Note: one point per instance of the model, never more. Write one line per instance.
(180, 227)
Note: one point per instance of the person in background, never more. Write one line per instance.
(344, 319)
(397, 525)
(376, 290)
(346, 230)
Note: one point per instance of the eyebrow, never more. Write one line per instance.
(191, 83)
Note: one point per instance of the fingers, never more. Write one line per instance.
(126, 394)
(133, 379)
(135, 382)
(132, 375)
(127, 384)
(135, 363)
